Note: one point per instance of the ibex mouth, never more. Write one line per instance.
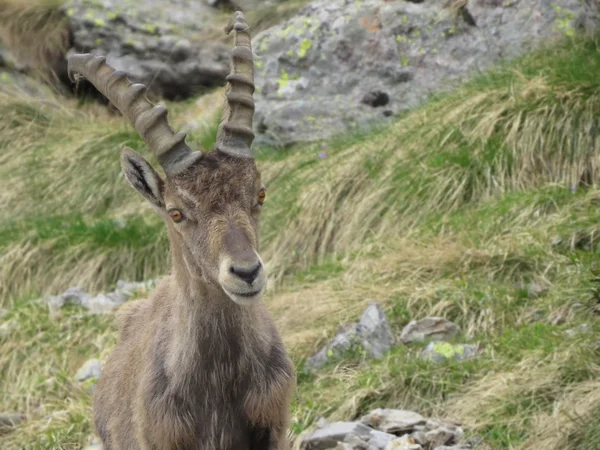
(245, 298)
(247, 294)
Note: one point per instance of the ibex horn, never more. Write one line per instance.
(149, 120)
(235, 133)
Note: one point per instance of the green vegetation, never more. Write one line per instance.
(454, 210)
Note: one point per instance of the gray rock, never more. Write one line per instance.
(583, 328)
(535, 290)
(379, 439)
(393, 420)
(346, 50)
(104, 303)
(8, 421)
(90, 369)
(73, 296)
(441, 436)
(372, 333)
(334, 433)
(353, 442)
(161, 44)
(443, 351)
(344, 340)
(429, 329)
(375, 331)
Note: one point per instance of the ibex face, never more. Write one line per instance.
(213, 210)
(211, 201)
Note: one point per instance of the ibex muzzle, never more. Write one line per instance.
(194, 369)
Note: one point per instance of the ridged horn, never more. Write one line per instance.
(149, 120)
(235, 133)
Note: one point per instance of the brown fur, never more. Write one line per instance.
(194, 369)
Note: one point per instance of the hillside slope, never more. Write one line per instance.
(456, 210)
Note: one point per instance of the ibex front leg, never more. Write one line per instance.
(268, 399)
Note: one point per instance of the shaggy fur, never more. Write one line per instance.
(194, 369)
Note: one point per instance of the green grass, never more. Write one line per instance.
(454, 210)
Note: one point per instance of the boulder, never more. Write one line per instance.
(372, 333)
(342, 65)
(172, 46)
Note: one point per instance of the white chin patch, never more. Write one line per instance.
(245, 299)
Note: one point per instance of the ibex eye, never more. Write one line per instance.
(176, 215)
(262, 195)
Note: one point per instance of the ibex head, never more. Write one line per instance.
(210, 201)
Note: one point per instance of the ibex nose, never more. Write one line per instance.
(248, 275)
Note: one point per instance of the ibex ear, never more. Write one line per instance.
(142, 176)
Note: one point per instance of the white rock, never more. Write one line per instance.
(403, 443)
(90, 369)
(334, 433)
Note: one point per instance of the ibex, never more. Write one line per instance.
(199, 365)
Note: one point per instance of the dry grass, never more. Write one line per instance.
(38, 33)
(452, 211)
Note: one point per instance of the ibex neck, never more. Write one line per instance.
(208, 328)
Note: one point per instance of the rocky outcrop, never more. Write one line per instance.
(371, 335)
(172, 47)
(386, 429)
(100, 303)
(340, 65)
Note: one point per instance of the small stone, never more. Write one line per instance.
(9, 421)
(321, 422)
(429, 329)
(90, 369)
(393, 420)
(536, 290)
(94, 447)
(583, 328)
(403, 443)
(75, 296)
(443, 351)
(331, 435)
(440, 436)
(7, 327)
(356, 443)
(379, 439)
(104, 303)
(420, 437)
